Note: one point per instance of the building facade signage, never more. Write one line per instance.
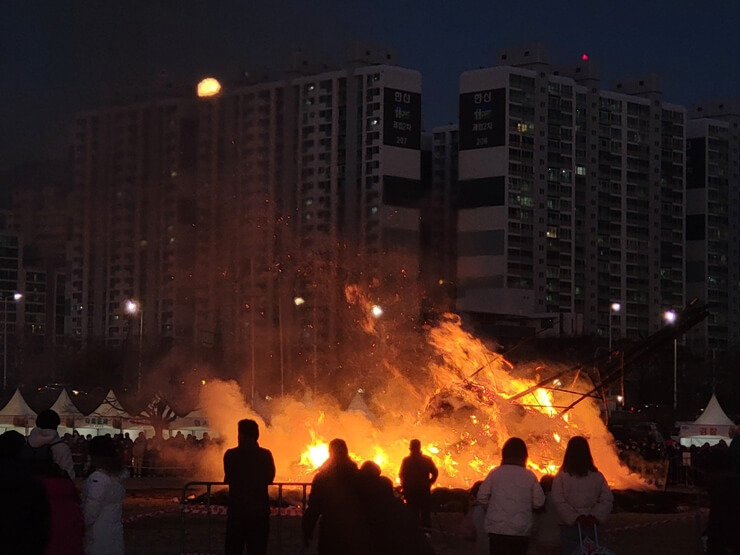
(402, 119)
(483, 119)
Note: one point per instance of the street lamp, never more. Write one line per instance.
(134, 308)
(300, 301)
(670, 318)
(614, 308)
(15, 297)
(376, 311)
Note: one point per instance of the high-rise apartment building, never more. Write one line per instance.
(43, 218)
(230, 218)
(11, 284)
(304, 184)
(713, 224)
(570, 196)
(439, 220)
(134, 226)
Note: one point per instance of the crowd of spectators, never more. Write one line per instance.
(669, 462)
(662, 462)
(145, 456)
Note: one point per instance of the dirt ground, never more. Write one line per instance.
(154, 525)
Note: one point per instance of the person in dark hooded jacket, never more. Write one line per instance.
(335, 503)
(25, 513)
(393, 527)
(248, 470)
(45, 434)
(417, 474)
(57, 474)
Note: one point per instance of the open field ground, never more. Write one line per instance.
(156, 526)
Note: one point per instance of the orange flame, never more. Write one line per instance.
(463, 413)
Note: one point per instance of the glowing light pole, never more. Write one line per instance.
(614, 308)
(670, 318)
(15, 297)
(134, 308)
(377, 311)
(299, 301)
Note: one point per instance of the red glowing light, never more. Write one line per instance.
(584, 57)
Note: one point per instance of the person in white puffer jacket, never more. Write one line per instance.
(581, 495)
(510, 493)
(102, 499)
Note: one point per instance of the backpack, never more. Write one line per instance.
(40, 460)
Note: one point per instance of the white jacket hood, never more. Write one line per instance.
(41, 436)
(59, 450)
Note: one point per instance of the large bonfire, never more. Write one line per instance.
(462, 401)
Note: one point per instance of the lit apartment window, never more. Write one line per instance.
(524, 126)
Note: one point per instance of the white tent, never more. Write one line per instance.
(358, 403)
(136, 423)
(17, 415)
(711, 427)
(195, 422)
(67, 411)
(109, 418)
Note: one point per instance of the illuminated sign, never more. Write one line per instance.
(483, 119)
(402, 119)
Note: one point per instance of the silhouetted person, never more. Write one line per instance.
(393, 529)
(25, 514)
(418, 473)
(373, 484)
(45, 435)
(335, 500)
(734, 448)
(50, 460)
(724, 507)
(248, 470)
(546, 531)
(138, 452)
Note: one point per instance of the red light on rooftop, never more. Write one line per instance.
(584, 57)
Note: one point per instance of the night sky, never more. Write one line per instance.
(60, 56)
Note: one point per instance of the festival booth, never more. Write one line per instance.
(132, 426)
(108, 418)
(195, 422)
(17, 415)
(711, 427)
(68, 413)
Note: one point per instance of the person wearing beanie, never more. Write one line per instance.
(45, 433)
(50, 459)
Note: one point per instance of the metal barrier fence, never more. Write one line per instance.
(280, 511)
